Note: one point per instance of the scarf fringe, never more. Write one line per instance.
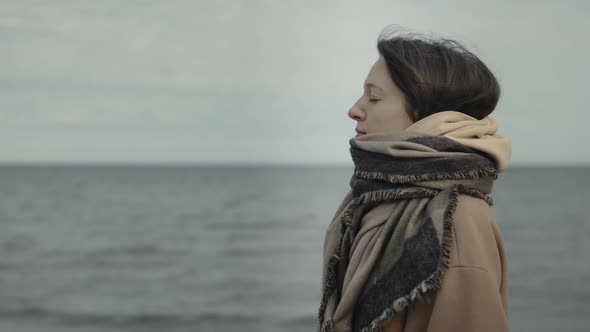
(389, 195)
(397, 178)
(420, 293)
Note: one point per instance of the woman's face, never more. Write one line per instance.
(381, 107)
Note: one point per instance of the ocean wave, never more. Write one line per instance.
(127, 319)
(131, 250)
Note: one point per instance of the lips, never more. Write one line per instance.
(359, 132)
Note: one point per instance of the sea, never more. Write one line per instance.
(132, 248)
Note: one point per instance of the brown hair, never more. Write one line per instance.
(438, 75)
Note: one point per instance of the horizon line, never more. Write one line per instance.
(242, 164)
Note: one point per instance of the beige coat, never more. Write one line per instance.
(474, 293)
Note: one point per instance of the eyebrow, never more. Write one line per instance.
(371, 85)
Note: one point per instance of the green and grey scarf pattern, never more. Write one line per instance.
(415, 179)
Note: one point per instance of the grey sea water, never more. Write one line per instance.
(187, 248)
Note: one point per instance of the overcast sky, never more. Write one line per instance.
(265, 81)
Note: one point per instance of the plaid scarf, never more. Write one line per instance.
(388, 244)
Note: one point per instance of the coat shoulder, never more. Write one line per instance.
(475, 236)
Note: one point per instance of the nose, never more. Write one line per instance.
(356, 113)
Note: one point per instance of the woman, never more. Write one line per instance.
(414, 245)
